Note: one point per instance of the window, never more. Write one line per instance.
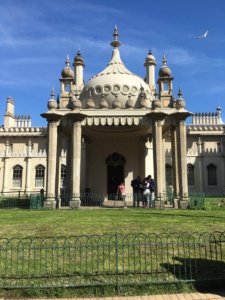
(63, 176)
(17, 176)
(39, 176)
(168, 174)
(212, 177)
(191, 174)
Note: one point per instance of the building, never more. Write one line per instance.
(109, 130)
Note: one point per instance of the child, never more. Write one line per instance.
(123, 193)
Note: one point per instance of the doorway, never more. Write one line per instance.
(115, 172)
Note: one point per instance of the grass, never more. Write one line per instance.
(17, 223)
(23, 223)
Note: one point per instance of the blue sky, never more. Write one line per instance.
(36, 36)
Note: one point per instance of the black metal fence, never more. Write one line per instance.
(114, 259)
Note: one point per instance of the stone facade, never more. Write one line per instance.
(108, 131)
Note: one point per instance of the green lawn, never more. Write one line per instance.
(21, 223)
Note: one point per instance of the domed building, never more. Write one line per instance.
(108, 131)
(113, 129)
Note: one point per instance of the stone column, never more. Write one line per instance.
(75, 164)
(50, 201)
(182, 162)
(158, 161)
(27, 186)
(6, 167)
(175, 177)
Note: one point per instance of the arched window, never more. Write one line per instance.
(191, 174)
(168, 174)
(17, 176)
(212, 176)
(63, 176)
(39, 176)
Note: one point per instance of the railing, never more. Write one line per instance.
(116, 259)
(36, 201)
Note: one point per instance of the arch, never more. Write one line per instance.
(212, 174)
(191, 174)
(39, 175)
(17, 176)
(115, 171)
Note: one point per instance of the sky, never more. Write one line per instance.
(37, 35)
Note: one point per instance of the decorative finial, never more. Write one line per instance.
(115, 43)
(150, 52)
(52, 93)
(164, 61)
(67, 62)
(180, 93)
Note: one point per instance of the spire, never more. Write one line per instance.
(180, 93)
(164, 61)
(115, 43)
(67, 62)
(52, 93)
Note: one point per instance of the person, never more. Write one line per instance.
(146, 193)
(136, 185)
(123, 193)
(151, 188)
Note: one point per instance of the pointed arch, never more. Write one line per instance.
(17, 176)
(39, 175)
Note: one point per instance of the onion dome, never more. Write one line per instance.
(103, 103)
(130, 102)
(52, 104)
(78, 60)
(90, 102)
(67, 72)
(180, 103)
(75, 102)
(150, 59)
(156, 103)
(164, 71)
(143, 102)
(116, 80)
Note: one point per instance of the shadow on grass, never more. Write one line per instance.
(206, 275)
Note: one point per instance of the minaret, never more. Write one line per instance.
(79, 70)
(9, 117)
(165, 85)
(150, 64)
(66, 83)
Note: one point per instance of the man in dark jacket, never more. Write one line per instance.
(136, 185)
(152, 189)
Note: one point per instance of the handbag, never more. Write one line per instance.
(146, 192)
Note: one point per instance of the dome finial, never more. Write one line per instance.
(67, 62)
(180, 93)
(164, 61)
(52, 93)
(115, 43)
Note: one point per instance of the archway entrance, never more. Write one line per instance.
(115, 172)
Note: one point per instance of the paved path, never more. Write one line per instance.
(184, 296)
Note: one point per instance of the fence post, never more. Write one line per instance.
(117, 265)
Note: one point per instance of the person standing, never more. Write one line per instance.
(136, 185)
(151, 188)
(123, 193)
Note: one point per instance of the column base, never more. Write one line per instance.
(158, 204)
(50, 204)
(176, 203)
(75, 203)
(183, 203)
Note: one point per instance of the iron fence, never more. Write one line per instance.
(36, 200)
(111, 259)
